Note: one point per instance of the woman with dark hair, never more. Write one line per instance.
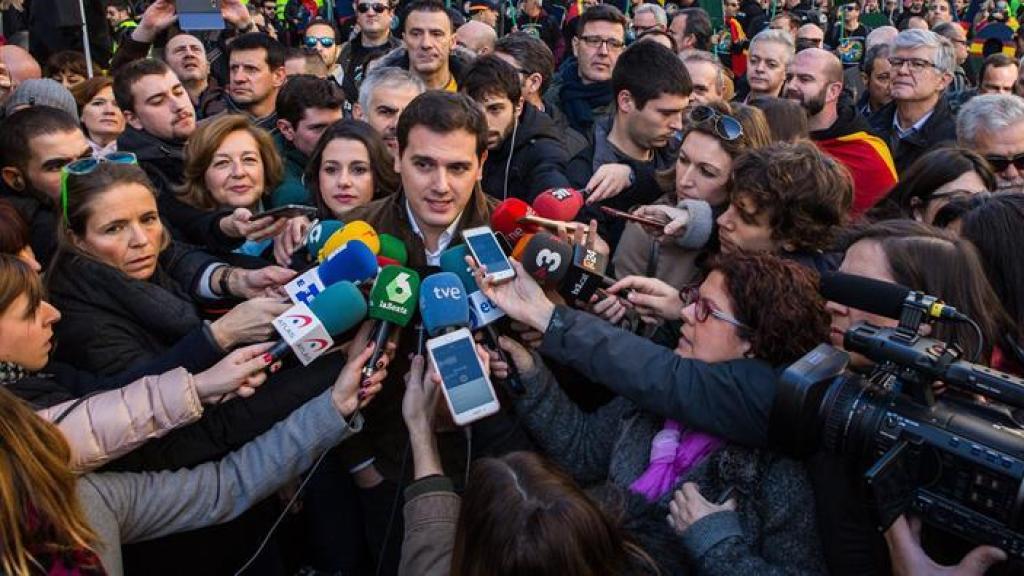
(68, 67)
(350, 167)
(996, 227)
(14, 235)
(932, 180)
(102, 120)
(786, 118)
(750, 314)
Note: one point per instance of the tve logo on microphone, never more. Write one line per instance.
(448, 293)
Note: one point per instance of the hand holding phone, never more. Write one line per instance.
(484, 247)
(646, 221)
(466, 387)
(287, 211)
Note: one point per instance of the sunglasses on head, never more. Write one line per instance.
(725, 126)
(1001, 163)
(376, 6)
(325, 41)
(85, 166)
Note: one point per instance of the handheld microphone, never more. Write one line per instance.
(482, 311)
(505, 220)
(558, 204)
(393, 249)
(308, 330)
(577, 271)
(392, 303)
(354, 262)
(319, 233)
(443, 304)
(883, 298)
(355, 230)
(546, 259)
(517, 251)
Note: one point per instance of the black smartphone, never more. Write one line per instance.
(200, 15)
(288, 211)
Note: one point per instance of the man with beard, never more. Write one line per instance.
(525, 154)
(382, 97)
(651, 90)
(815, 79)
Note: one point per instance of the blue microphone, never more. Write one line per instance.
(443, 304)
(354, 263)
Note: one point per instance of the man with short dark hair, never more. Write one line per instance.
(119, 16)
(256, 68)
(186, 55)
(955, 33)
(429, 46)
(998, 74)
(849, 36)
(525, 153)
(815, 80)
(582, 88)
(306, 106)
(35, 145)
(876, 75)
(373, 17)
(691, 27)
(651, 90)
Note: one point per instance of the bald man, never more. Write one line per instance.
(16, 66)
(815, 80)
(476, 36)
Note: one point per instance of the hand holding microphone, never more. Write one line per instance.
(393, 302)
(250, 321)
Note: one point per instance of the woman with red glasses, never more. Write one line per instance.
(746, 508)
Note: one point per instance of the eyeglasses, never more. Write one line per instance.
(704, 308)
(325, 41)
(917, 65)
(1001, 163)
(376, 6)
(86, 166)
(726, 127)
(597, 42)
(641, 29)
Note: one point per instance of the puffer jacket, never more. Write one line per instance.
(458, 61)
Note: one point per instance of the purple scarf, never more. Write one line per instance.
(674, 452)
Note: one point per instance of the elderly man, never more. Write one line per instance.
(770, 53)
(918, 118)
(809, 35)
(993, 126)
(649, 17)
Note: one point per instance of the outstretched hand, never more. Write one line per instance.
(521, 298)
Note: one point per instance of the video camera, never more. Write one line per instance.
(955, 462)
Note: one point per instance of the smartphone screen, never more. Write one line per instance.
(463, 378)
(488, 252)
(199, 15)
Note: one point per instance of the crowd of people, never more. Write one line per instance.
(163, 191)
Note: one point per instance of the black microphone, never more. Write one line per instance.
(883, 298)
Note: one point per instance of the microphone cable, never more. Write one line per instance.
(511, 152)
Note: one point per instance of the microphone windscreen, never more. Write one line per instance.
(558, 204)
(355, 230)
(339, 307)
(547, 259)
(505, 219)
(517, 252)
(319, 233)
(393, 248)
(454, 260)
(443, 303)
(353, 263)
(395, 295)
(867, 294)
(383, 261)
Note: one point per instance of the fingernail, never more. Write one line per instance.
(361, 394)
(267, 358)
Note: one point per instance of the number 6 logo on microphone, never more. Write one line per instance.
(549, 259)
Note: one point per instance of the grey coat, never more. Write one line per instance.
(772, 531)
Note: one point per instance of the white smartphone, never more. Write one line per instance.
(467, 389)
(483, 245)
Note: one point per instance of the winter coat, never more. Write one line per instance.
(538, 160)
(458, 61)
(354, 61)
(42, 222)
(939, 129)
(291, 190)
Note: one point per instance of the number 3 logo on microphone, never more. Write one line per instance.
(549, 259)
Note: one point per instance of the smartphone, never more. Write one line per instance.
(467, 389)
(483, 244)
(639, 219)
(199, 15)
(288, 211)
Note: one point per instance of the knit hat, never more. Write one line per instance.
(42, 92)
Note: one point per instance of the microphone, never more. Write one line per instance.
(577, 271)
(355, 230)
(319, 233)
(354, 262)
(393, 249)
(443, 304)
(482, 312)
(392, 303)
(505, 220)
(308, 330)
(546, 258)
(883, 298)
(558, 204)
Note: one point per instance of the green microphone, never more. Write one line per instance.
(393, 301)
(393, 248)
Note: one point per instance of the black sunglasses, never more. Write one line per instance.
(377, 7)
(726, 127)
(1001, 163)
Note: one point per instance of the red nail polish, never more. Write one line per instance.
(268, 358)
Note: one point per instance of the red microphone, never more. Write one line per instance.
(559, 204)
(505, 220)
(383, 261)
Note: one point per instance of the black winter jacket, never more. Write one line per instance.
(41, 219)
(539, 160)
(939, 129)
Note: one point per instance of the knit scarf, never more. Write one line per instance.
(674, 452)
(60, 561)
(579, 99)
(11, 373)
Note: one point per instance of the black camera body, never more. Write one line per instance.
(954, 462)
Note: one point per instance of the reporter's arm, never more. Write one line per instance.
(431, 518)
(729, 399)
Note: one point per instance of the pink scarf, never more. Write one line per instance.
(674, 452)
